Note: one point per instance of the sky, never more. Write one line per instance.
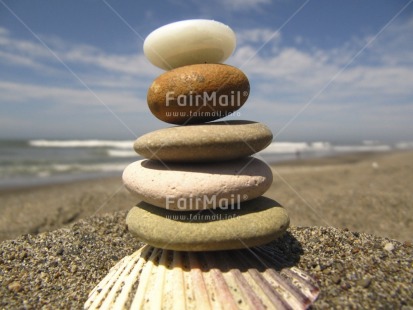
(325, 70)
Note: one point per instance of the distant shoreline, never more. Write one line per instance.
(58, 181)
(341, 158)
(269, 158)
(28, 163)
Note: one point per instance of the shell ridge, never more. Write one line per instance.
(299, 282)
(271, 257)
(252, 260)
(179, 272)
(131, 280)
(303, 281)
(243, 261)
(119, 285)
(209, 281)
(224, 293)
(198, 280)
(96, 292)
(139, 298)
(291, 293)
(246, 291)
(155, 297)
(107, 284)
(248, 294)
(274, 296)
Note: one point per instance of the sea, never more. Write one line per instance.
(25, 163)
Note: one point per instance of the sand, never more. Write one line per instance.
(367, 192)
(57, 270)
(46, 208)
(367, 198)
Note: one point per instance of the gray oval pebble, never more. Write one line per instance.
(216, 141)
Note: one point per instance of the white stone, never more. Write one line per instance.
(188, 42)
(185, 186)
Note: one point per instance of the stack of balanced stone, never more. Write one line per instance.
(200, 188)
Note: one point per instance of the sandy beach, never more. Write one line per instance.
(63, 239)
(364, 192)
(58, 269)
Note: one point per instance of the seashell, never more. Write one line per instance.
(153, 278)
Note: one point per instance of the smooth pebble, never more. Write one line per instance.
(189, 42)
(215, 141)
(184, 187)
(197, 93)
(256, 222)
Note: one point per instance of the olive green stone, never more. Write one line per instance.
(243, 225)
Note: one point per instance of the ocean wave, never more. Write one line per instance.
(405, 145)
(362, 148)
(46, 170)
(326, 147)
(296, 147)
(102, 167)
(118, 144)
(121, 153)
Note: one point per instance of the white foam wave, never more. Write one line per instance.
(121, 153)
(404, 145)
(81, 143)
(44, 171)
(362, 148)
(104, 167)
(296, 147)
(323, 147)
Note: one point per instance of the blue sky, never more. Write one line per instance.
(320, 70)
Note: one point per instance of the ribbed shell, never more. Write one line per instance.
(153, 278)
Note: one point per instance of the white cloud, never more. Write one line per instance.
(394, 46)
(3, 31)
(288, 66)
(257, 35)
(390, 80)
(66, 98)
(296, 72)
(23, 47)
(243, 5)
(19, 60)
(133, 64)
(34, 55)
(298, 40)
(119, 81)
(369, 95)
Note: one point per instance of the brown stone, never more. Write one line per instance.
(197, 93)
